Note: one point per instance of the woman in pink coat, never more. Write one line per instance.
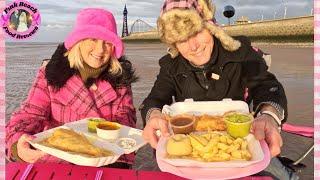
(87, 76)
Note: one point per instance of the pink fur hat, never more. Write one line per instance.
(97, 24)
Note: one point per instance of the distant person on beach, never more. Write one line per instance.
(87, 76)
(206, 64)
(23, 25)
(14, 19)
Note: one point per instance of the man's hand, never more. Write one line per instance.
(156, 122)
(25, 152)
(264, 127)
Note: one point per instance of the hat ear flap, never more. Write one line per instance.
(208, 9)
(227, 41)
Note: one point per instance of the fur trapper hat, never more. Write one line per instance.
(181, 19)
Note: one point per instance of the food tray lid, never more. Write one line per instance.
(209, 107)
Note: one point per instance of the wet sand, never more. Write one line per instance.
(292, 66)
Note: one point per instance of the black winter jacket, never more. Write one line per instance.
(238, 70)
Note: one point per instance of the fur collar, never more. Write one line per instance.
(58, 71)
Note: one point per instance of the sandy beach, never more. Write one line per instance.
(293, 67)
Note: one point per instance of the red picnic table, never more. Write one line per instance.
(54, 171)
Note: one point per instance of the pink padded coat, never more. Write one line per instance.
(46, 108)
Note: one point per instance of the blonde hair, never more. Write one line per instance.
(76, 61)
(115, 66)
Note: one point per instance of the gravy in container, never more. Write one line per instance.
(182, 125)
(181, 121)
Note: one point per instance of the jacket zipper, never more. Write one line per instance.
(205, 80)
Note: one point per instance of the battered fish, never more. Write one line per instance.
(68, 140)
(207, 122)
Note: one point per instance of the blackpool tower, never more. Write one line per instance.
(125, 24)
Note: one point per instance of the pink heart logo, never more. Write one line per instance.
(36, 18)
(4, 20)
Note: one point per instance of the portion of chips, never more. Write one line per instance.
(213, 147)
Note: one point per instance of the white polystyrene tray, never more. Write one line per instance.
(253, 146)
(212, 108)
(77, 158)
(125, 132)
(209, 107)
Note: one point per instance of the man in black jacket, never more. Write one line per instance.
(14, 19)
(205, 64)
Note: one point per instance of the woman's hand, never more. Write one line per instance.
(264, 127)
(156, 122)
(25, 152)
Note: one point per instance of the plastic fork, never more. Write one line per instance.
(98, 175)
(26, 172)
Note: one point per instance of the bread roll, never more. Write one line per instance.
(179, 145)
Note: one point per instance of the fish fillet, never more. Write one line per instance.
(69, 140)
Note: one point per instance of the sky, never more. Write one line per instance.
(58, 16)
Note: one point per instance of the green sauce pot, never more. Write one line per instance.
(238, 124)
(92, 124)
